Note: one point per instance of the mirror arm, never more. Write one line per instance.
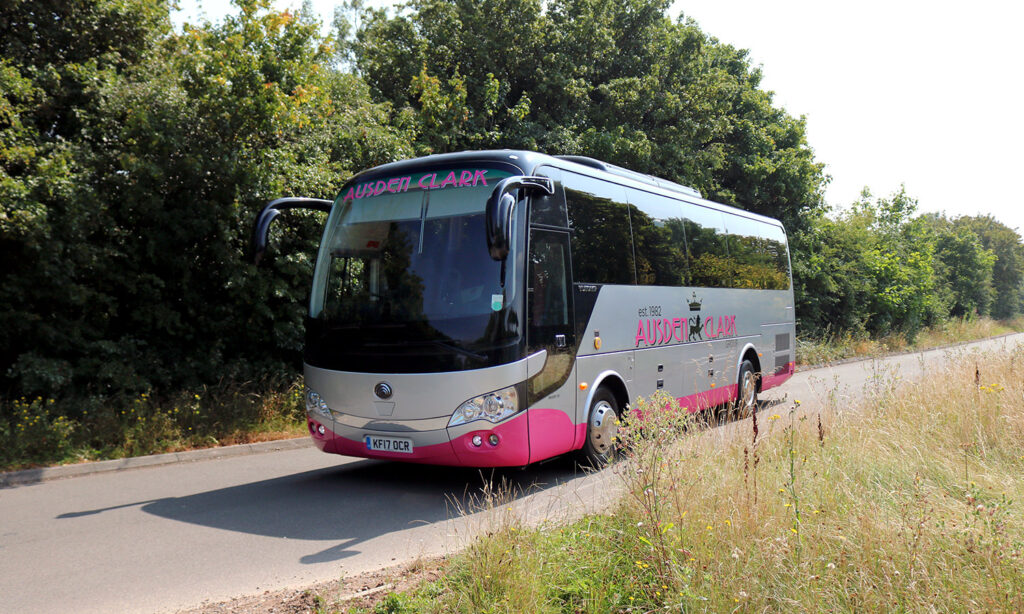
(274, 208)
(500, 207)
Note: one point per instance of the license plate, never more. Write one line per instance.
(389, 444)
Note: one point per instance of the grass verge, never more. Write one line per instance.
(35, 432)
(910, 503)
(849, 345)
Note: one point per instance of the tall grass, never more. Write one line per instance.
(909, 502)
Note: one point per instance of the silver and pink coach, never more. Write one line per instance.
(499, 308)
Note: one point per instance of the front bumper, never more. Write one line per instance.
(449, 446)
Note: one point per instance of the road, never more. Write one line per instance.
(166, 538)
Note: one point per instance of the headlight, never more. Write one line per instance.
(493, 406)
(316, 405)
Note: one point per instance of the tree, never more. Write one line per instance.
(1008, 269)
(614, 80)
(963, 267)
(129, 230)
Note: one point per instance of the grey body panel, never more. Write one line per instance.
(419, 402)
(686, 367)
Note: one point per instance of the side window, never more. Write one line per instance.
(777, 249)
(549, 210)
(659, 239)
(706, 243)
(754, 254)
(602, 245)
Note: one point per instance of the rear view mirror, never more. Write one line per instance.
(498, 218)
(271, 211)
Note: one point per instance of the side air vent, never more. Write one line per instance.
(781, 342)
(781, 362)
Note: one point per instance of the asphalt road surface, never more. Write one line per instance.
(165, 538)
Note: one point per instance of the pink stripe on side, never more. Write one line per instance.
(779, 377)
(709, 398)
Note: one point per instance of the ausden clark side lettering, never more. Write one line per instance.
(663, 331)
(429, 181)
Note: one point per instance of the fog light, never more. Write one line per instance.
(320, 429)
(493, 439)
(477, 440)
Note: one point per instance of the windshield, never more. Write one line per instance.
(404, 271)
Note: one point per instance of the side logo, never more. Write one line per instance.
(383, 390)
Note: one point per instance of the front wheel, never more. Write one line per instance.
(602, 430)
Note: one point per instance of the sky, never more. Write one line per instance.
(924, 94)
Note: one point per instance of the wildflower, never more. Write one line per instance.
(794, 530)
(831, 566)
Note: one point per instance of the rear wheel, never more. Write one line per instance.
(602, 429)
(746, 392)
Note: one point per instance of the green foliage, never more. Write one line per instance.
(38, 431)
(34, 431)
(877, 269)
(1008, 270)
(134, 163)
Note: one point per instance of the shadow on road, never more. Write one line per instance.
(351, 503)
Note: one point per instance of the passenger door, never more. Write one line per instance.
(549, 309)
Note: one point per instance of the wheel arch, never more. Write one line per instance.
(750, 353)
(613, 382)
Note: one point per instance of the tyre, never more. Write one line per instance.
(602, 430)
(746, 391)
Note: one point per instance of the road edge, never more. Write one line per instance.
(45, 474)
